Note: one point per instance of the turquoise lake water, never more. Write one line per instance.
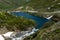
(39, 20)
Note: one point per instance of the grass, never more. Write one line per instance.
(42, 5)
(15, 23)
(11, 4)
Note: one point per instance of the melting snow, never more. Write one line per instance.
(1, 37)
(8, 34)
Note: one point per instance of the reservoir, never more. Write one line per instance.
(39, 20)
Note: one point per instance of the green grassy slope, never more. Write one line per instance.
(51, 33)
(15, 23)
(42, 5)
(11, 4)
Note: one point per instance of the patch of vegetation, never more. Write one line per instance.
(56, 17)
(15, 23)
(11, 4)
(55, 35)
(48, 24)
(42, 5)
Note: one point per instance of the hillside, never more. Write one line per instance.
(40, 5)
(12, 23)
(50, 31)
(44, 5)
(11, 4)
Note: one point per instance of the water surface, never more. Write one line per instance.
(39, 20)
